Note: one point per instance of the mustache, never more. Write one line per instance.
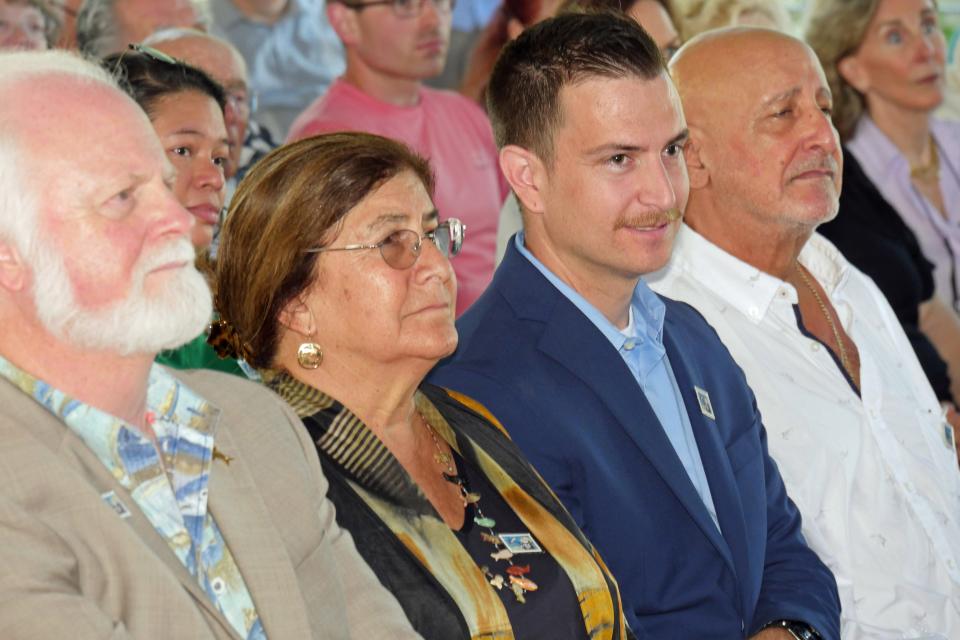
(652, 219)
(818, 163)
(180, 250)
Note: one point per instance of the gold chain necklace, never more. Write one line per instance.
(516, 578)
(844, 359)
(931, 169)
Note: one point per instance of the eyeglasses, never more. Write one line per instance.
(243, 100)
(401, 248)
(153, 54)
(404, 8)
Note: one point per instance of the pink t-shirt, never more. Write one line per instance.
(455, 136)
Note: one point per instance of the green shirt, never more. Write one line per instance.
(197, 354)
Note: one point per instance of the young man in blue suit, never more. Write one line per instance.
(627, 403)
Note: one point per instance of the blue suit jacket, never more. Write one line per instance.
(571, 404)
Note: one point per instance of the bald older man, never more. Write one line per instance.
(854, 426)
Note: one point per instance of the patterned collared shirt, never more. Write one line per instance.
(170, 489)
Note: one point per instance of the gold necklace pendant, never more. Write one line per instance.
(930, 170)
(844, 360)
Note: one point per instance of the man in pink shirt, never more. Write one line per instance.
(391, 47)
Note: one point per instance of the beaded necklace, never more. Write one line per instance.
(516, 578)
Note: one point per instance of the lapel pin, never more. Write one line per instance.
(112, 501)
(220, 455)
(706, 407)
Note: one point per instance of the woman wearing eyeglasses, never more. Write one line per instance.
(333, 279)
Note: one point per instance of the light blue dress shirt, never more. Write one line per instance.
(291, 62)
(640, 345)
(472, 15)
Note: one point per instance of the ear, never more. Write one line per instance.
(296, 316)
(13, 270)
(344, 21)
(514, 28)
(697, 168)
(853, 72)
(526, 174)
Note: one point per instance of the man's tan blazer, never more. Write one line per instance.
(73, 568)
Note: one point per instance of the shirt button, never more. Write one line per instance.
(629, 345)
(814, 346)
(754, 312)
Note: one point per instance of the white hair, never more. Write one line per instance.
(137, 323)
(19, 69)
(97, 29)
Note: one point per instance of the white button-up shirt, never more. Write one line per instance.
(874, 476)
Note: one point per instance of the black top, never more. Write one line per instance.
(552, 611)
(872, 236)
(549, 613)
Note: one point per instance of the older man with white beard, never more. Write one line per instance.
(134, 503)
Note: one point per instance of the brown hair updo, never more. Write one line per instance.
(290, 201)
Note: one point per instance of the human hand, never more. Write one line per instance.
(774, 633)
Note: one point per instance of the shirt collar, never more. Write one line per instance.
(168, 402)
(873, 148)
(744, 287)
(877, 153)
(646, 308)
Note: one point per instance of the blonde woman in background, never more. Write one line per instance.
(900, 205)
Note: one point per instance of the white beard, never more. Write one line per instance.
(136, 324)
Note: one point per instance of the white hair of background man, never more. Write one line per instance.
(97, 25)
(138, 323)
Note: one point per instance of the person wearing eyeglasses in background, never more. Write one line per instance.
(26, 24)
(291, 51)
(334, 280)
(392, 46)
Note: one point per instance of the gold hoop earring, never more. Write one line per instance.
(309, 355)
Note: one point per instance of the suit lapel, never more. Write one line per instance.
(716, 464)
(574, 342)
(256, 544)
(54, 434)
(79, 456)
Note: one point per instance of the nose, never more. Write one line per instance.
(821, 132)
(170, 217)
(208, 175)
(659, 189)
(430, 14)
(432, 263)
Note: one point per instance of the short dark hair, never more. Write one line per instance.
(523, 97)
(148, 79)
(292, 200)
